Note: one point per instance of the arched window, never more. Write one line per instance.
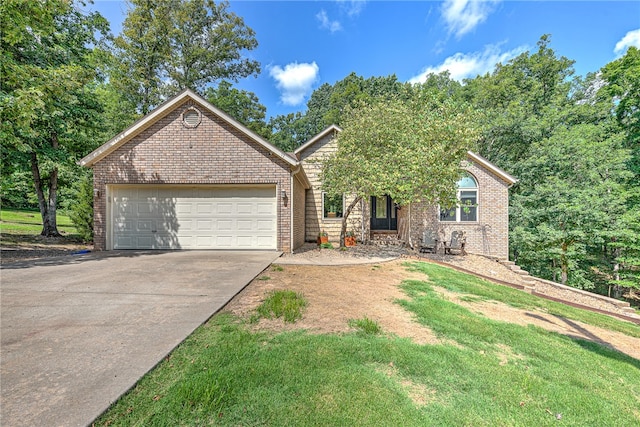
(467, 208)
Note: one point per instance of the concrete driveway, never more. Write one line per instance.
(79, 331)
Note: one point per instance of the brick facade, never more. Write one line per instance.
(214, 152)
(489, 235)
(165, 149)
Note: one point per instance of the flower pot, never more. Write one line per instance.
(349, 241)
(323, 239)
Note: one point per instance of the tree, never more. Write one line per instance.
(522, 101)
(622, 90)
(241, 105)
(49, 112)
(571, 199)
(410, 150)
(169, 45)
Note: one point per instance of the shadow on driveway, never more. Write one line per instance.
(79, 331)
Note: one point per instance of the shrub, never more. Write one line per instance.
(81, 209)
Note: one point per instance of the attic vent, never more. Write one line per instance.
(191, 117)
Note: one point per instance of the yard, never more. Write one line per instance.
(445, 349)
(20, 236)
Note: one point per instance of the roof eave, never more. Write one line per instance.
(509, 179)
(318, 137)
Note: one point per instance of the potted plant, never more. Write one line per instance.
(350, 239)
(323, 237)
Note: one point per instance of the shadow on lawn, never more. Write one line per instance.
(598, 345)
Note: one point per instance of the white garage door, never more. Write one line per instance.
(163, 217)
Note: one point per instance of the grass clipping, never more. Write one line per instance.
(281, 304)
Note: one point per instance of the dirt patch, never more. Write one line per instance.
(337, 294)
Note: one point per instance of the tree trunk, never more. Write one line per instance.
(50, 224)
(47, 207)
(343, 230)
(564, 264)
(37, 182)
(617, 290)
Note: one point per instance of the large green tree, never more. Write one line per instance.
(168, 45)
(48, 109)
(522, 100)
(410, 150)
(571, 201)
(242, 105)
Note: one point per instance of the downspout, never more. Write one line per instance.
(293, 174)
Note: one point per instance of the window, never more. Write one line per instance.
(467, 209)
(332, 205)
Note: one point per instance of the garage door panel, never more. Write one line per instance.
(194, 218)
(224, 225)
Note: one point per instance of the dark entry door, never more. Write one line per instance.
(383, 213)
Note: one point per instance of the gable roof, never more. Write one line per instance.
(318, 137)
(509, 179)
(161, 111)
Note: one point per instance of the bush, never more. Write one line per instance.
(80, 209)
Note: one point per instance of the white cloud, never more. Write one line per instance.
(468, 65)
(632, 38)
(295, 81)
(462, 16)
(326, 23)
(352, 7)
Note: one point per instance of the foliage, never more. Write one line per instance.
(622, 89)
(49, 113)
(572, 193)
(169, 45)
(483, 372)
(241, 105)
(408, 150)
(80, 209)
(522, 101)
(328, 105)
(286, 304)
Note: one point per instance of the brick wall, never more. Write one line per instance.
(490, 234)
(214, 152)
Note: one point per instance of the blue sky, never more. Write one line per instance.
(303, 44)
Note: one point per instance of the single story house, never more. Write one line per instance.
(188, 176)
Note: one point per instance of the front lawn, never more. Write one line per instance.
(483, 373)
(16, 223)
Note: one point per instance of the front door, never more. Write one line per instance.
(383, 213)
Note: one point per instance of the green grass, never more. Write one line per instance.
(282, 304)
(366, 326)
(19, 222)
(476, 289)
(486, 373)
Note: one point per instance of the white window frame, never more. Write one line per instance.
(324, 193)
(459, 208)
